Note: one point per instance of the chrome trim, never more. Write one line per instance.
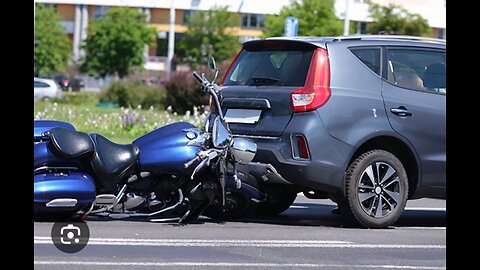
(243, 150)
(389, 37)
(199, 140)
(120, 194)
(118, 215)
(62, 202)
(266, 173)
(256, 137)
(45, 168)
(90, 210)
(164, 219)
(180, 199)
(105, 199)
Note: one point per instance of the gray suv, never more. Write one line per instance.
(357, 119)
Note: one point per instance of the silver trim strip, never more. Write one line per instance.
(62, 202)
(255, 137)
(44, 168)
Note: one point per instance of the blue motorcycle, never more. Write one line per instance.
(173, 173)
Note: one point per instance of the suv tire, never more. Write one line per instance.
(376, 178)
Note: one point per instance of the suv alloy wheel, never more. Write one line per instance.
(376, 186)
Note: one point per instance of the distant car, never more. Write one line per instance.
(46, 88)
(63, 81)
(76, 84)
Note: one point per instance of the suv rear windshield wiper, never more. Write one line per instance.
(264, 81)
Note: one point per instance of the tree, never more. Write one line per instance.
(115, 42)
(394, 19)
(52, 46)
(315, 18)
(209, 33)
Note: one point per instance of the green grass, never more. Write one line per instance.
(80, 110)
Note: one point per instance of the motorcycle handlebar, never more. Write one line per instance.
(188, 164)
(198, 77)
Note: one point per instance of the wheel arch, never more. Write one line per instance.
(398, 147)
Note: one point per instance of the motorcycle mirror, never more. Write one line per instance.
(211, 63)
(221, 137)
(213, 66)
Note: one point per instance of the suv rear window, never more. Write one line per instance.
(270, 67)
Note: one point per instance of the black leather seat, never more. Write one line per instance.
(71, 144)
(111, 162)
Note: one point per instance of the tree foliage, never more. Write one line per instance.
(52, 46)
(394, 19)
(209, 33)
(315, 18)
(115, 42)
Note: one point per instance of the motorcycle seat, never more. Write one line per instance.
(111, 162)
(71, 144)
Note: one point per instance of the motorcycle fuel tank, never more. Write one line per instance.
(165, 150)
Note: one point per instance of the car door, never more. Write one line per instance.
(415, 99)
(40, 89)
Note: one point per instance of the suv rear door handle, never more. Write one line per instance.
(401, 111)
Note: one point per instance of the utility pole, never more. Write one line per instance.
(171, 39)
(346, 25)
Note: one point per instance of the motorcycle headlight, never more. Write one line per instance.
(243, 150)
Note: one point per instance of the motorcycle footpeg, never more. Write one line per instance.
(105, 199)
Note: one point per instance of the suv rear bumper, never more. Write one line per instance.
(329, 157)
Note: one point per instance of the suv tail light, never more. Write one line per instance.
(316, 90)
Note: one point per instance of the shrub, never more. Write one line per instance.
(183, 92)
(132, 94)
(77, 98)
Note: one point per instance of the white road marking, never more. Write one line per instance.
(238, 243)
(232, 264)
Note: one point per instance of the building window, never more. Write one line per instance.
(54, 6)
(253, 20)
(187, 14)
(442, 33)
(99, 11)
(361, 27)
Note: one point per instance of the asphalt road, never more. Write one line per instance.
(306, 236)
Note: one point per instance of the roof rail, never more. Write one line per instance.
(389, 37)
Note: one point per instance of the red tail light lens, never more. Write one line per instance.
(316, 90)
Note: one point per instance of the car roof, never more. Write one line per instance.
(322, 41)
(43, 80)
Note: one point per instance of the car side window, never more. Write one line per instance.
(417, 69)
(369, 56)
(39, 84)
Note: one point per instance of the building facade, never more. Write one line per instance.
(76, 14)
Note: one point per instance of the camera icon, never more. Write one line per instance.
(70, 237)
(70, 234)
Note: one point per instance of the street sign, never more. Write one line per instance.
(291, 27)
